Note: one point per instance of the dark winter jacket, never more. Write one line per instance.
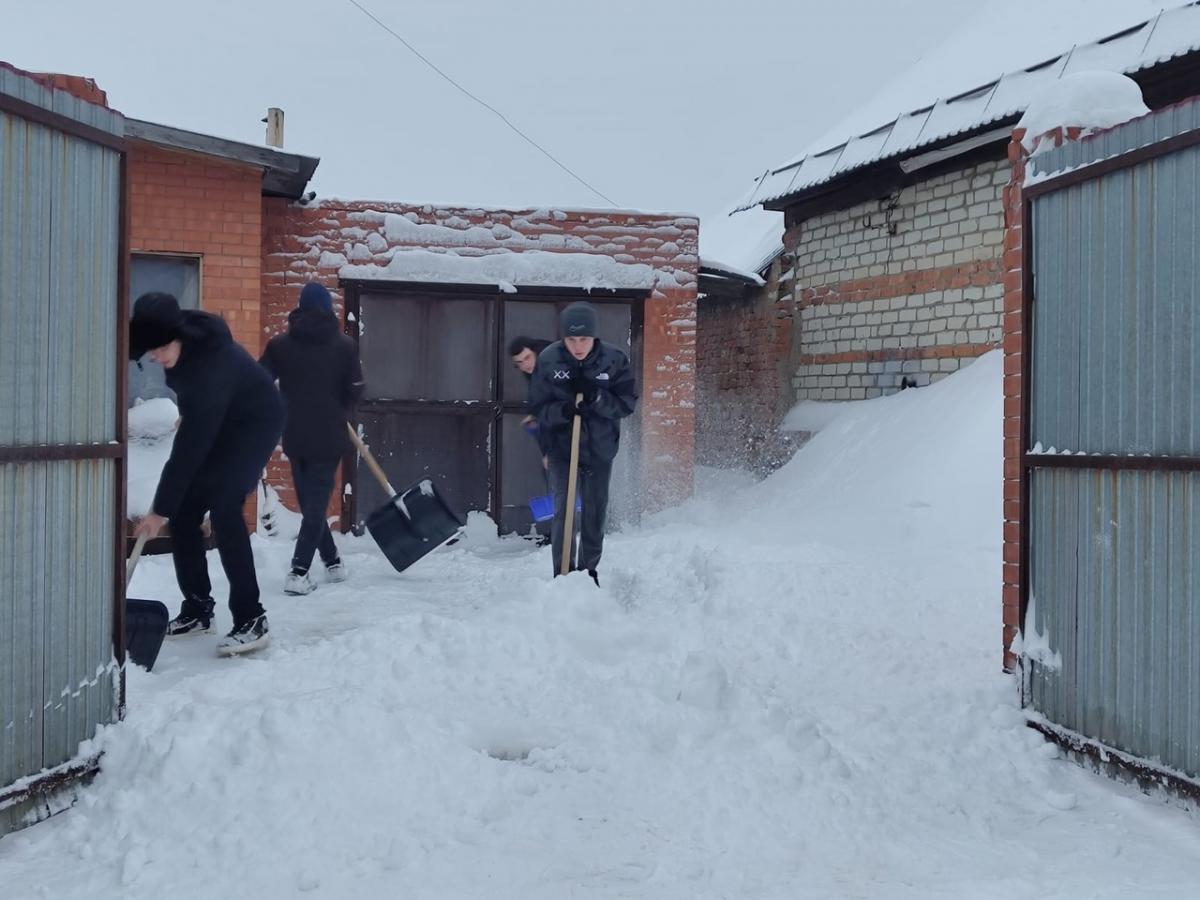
(537, 346)
(321, 379)
(231, 415)
(606, 381)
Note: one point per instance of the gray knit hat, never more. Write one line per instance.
(578, 320)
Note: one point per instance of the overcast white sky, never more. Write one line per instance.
(661, 105)
(672, 106)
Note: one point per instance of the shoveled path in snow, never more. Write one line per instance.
(787, 690)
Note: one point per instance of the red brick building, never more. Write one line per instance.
(503, 273)
(228, 227)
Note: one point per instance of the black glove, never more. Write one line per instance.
(585, 386)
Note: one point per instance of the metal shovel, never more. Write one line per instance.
(145, 620)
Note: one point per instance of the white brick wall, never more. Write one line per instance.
(953, 220)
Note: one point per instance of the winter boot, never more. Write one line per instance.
(298, 583)
(335, 572)
(195, 617)
(595, 576)
(248, 636)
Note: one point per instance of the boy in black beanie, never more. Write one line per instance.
(231, 416)
(584, 367)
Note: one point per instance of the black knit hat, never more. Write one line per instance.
(578, 320)
(156, 321)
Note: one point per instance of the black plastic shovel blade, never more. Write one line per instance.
(145, 627)
(413, 523)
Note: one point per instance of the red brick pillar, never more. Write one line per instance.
(1014, 345)
(668, 398)
(1017, 255)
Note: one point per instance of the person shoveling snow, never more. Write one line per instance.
(231, 420)
(581, 390)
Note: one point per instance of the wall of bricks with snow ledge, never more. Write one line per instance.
(901, 291)
(654, 251)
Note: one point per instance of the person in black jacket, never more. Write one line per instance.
(524, 352)
(321, 379)
(231, 417)
(582, 376)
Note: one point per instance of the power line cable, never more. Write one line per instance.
(503, 118)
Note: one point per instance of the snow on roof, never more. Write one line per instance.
(589, 271)
(534, 248)
(968, 102)
(743, 243)
(1086, 99)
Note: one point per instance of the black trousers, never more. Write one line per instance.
(592, 486)
(314, 483)
(224, 507)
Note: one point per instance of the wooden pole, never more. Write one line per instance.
(572, 476)
(133, 560)
(378, 472)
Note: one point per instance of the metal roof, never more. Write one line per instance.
(1170, 34)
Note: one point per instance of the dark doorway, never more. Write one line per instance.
(443, 400)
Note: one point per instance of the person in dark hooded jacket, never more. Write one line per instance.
(524, 352)
(321, 379)
(231, 416)
(581, 376)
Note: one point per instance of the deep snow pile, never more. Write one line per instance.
(784, 690)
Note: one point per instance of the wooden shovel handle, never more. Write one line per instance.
(572, 476)
(133, 560)
(370, 461)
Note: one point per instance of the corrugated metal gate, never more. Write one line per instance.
(444, 401)
(62, 435)
(1112, 465)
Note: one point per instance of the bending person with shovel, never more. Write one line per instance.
(581, 390)
(231, 419)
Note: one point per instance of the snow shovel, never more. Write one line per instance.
(572, 477)
(413, 522)
(542, 508)
(145, 620)
(270, 526)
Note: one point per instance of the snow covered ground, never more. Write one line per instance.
(784, 690)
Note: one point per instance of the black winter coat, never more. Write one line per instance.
(321, 379)
(537, 346)
(231, 414)
(604, 378)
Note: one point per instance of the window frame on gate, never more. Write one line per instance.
(138, 255)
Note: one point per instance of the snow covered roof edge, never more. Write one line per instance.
(1169, 35)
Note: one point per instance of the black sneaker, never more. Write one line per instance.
(195, 617)
(251, 635)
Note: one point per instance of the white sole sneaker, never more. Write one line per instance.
(191, 632)
(297, 586)
(196, 632)
(238, 649)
